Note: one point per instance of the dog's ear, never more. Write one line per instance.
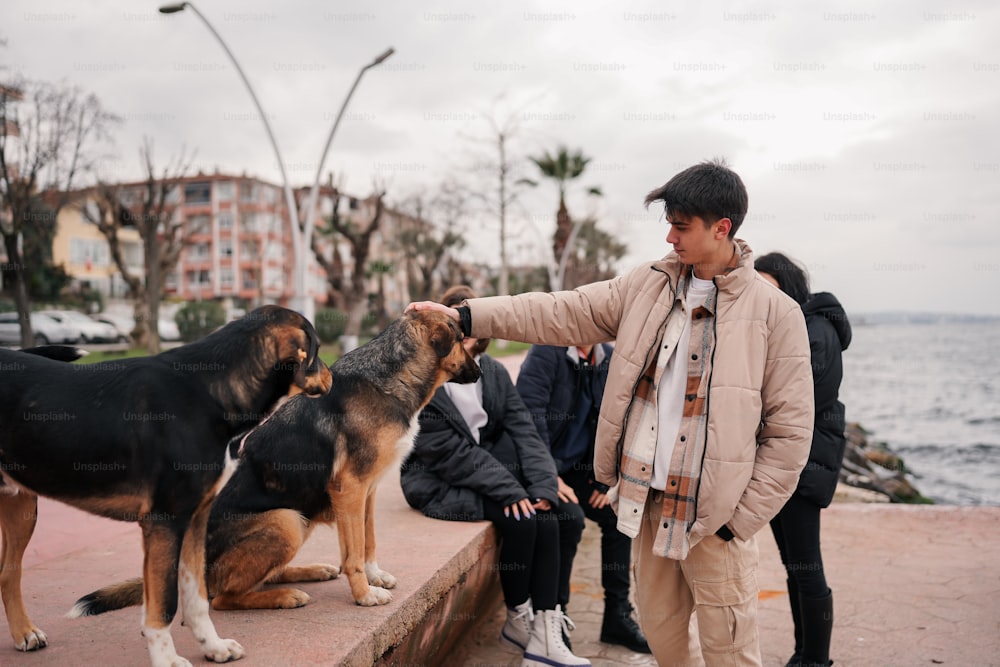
(294, 347)
(443, 337)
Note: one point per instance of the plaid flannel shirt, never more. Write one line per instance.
(680, 496)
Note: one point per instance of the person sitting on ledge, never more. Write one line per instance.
(478, 456)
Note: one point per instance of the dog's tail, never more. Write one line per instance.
(56, 352)
(116, 596)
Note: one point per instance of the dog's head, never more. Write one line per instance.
(296, 347)
(455, 364)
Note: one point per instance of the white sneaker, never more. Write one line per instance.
(517, 629)
(546, 647)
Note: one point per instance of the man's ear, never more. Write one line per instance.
(722, 227)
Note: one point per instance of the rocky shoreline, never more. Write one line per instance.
(874, 473)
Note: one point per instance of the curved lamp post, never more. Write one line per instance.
(301, 239)
(314, 193)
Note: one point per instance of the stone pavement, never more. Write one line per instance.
(913, 585)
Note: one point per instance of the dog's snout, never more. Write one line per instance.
(470, 372)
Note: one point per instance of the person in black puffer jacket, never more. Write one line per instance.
(563, 388)
(796, 528)
(478, 456)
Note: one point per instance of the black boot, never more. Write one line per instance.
(620, 628)
(817, 626)
(793, 602)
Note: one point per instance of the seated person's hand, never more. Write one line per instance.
(522, 507)
(598, 499)
(542, 504)
(566, 493)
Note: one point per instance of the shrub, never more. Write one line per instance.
(330, 324)
(197, 319)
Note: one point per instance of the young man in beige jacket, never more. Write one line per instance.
(707, 415)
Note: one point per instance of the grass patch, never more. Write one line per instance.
(103, 355)
(511, 348)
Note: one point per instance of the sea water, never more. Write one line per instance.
(931, 391)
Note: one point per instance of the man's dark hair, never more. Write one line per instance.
(792, 278)
(710, 190)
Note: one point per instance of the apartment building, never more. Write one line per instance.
(239, 244)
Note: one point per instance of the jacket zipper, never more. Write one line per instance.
(708, 405)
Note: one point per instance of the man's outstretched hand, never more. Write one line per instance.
(433, 305)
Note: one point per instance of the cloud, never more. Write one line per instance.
(865, 133)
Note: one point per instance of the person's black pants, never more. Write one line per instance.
(796, 531)
(616, 548)
(529, 556)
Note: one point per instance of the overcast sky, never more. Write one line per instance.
(867, 133)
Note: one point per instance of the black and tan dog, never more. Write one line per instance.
(318, 460)
(144, 440)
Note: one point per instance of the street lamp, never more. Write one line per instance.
(301, 241)
(306, 240)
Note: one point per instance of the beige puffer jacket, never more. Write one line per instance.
(760, 399)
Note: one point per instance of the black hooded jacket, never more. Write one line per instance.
(448, 473)
(829, 335)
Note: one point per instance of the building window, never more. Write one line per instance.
(198, 193)
(200, 251)
(173, 194)
(252, 223)
(249, 281)
(248, 250)
(202, 277)
(89, 252)
(226, 249)
(225, 220)
(224, 190)
(248, 191)
(132, 254)
(226, 278)
(199, 224)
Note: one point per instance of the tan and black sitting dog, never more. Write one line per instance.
(143, 440)
(318, 460)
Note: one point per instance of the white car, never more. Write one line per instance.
(124, 324)
(45, 329)
(91, 331)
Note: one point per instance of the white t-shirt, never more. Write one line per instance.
(673, 385)
(468, 398)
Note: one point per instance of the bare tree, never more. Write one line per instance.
(151, 210)
(347, 281)
(428, 235)
(44, 152)
(498, 162)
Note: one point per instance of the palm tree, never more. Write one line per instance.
(563, 167)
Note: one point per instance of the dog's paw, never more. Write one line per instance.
(383, 579)
(226, 650)
(375, 596)
(379, 577)
(325, 572)
(292, 598)
(32, 640)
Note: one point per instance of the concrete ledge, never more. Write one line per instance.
(446, 572)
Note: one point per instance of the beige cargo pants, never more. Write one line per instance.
(717, 581)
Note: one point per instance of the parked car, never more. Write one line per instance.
(91, 331)
(124, 325)
(45, 329)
